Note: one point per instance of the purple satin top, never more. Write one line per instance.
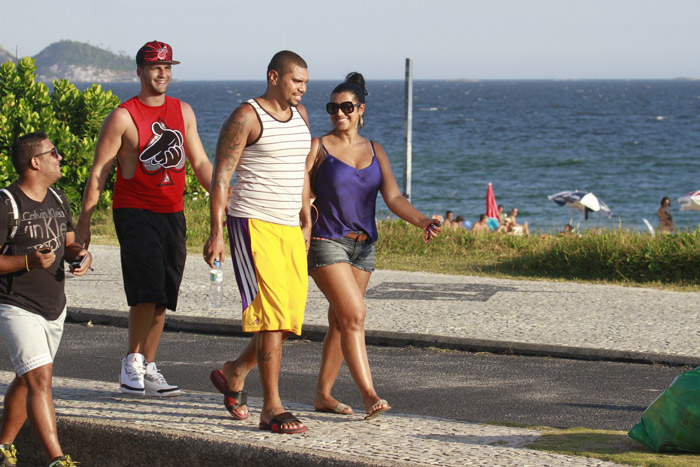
(346, 198)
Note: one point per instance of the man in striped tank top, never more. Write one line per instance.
(265, 141)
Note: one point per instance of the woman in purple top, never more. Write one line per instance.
(346, 172)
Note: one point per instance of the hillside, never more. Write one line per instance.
(5, 55)
(80, 62)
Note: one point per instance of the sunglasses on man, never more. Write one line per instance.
(53, 151)
(347, 107)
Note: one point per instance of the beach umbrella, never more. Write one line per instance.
(583, 201)
(690, 202)
(491, 206)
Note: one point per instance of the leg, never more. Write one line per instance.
(152, 338)
(133, 368)
(237, 370)
(344, 288)
(40, 409)
(14, 412)
(32, 342)
(332, 356)
(331, 361)
(269, 354)
(141, 321)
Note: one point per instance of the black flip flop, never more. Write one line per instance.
(275, 424)
(232, 400)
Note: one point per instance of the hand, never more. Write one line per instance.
(213, 250)
(82, 270)
(432, 228)
(306, 231)
(41, 259)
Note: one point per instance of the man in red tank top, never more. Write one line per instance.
(152, 136)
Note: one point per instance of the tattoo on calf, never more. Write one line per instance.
(264, 356)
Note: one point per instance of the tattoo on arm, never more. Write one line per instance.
(232, 141)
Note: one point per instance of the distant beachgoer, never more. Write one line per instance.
(449, 219)
(568, 229)
(455, 222)
(665, 216)
(512, 227)
(482, 225)
(342, 251)
(502, 216)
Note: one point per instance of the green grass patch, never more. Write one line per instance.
(610, 256)
(613, 446)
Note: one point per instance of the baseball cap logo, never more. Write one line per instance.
(163, 53)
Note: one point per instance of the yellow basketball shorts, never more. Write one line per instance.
(271, 271)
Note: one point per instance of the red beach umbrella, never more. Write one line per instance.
(491, 206)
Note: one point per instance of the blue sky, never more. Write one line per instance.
(450, 39)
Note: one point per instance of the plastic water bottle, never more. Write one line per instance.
(216, 285)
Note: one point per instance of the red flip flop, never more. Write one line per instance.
(232, 400)
(275, 424)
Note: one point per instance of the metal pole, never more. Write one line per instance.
(408, 130)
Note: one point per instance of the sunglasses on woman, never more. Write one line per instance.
(347, 107)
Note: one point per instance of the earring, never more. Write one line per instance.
(362, 123)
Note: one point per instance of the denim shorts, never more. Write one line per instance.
(359, 255)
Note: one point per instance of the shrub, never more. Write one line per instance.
(69, 117)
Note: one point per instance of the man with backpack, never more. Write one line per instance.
(37, 237)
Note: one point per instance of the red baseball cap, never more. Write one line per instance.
(155, 52)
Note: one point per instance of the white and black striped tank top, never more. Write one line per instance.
(270, 173)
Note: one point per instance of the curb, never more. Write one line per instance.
(110, 444)
(315, 333)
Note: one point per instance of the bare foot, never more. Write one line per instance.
(331, 404)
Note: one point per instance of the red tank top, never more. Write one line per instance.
(159, 181)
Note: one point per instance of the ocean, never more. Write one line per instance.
(628, 142)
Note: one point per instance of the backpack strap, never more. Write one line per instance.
(58, 197)
(12, 217)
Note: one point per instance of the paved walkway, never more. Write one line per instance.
(392, 439)
(549, 315)
(545, 313)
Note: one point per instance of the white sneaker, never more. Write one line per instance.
(156, 385)
(131, 376)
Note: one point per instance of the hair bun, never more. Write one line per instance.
(357, 78)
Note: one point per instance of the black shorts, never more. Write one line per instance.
(153, 253)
